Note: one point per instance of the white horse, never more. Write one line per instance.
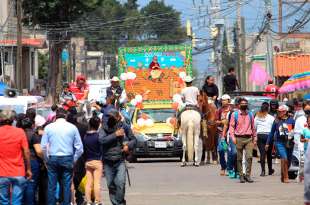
(190, 131)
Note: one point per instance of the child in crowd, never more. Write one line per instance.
(94, 167)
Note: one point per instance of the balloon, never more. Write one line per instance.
(139, 105)
(173, 121)
(182, 75)
(133, 102)
(175, 106)
(131, 76)
(139, 98)
(144, 116)
(124, 76)
(141, 122)
(149, 122)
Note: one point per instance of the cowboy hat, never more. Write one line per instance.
(189, 79)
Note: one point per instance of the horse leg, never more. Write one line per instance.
(190, 141)
(208, 157)
(203, 155)
(196, 145)
(183, 131)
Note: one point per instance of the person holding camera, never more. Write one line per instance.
(117, 140)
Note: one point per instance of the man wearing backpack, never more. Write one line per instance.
(242, 131)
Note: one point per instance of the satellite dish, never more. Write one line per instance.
(11, 93)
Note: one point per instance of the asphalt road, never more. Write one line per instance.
(156, 182)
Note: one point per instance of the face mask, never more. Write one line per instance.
(243, 107)
(111, 122)
(307, 112)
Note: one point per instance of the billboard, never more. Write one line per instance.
(157, 69)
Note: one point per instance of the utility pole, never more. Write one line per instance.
(19, 53)
(269, 51)
(240, 69)
(280, 16)
(217, 33)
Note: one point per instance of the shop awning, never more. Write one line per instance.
(287, 65)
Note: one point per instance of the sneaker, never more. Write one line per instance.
(242, 179)
(248, 179)
(231, 174)
(237, 176)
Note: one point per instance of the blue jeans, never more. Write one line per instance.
(283, 151)
(115, 174)
(12, 190)
(32, 185)
(232, 156)
(222, 156)
(59, 167)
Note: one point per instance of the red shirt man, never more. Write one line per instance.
(154, 65)
(272, 88)
(80, 88)
(14, 153)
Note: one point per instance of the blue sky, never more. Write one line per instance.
(252, 10)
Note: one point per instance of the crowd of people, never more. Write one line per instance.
(45, 162)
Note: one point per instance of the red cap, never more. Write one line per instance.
(80, 77)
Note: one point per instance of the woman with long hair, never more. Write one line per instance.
(263, 123)
(282, 134)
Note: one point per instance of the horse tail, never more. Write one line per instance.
(190, 141)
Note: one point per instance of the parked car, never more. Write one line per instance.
(255, 102)
(159, 139)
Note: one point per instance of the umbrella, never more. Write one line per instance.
(3, 87)
(300, 81)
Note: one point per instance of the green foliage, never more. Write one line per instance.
(38, 12)
(163, 23)
(43, 65)
(126, 25)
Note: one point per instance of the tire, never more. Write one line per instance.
(292, 175)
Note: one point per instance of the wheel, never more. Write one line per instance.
(292, 175)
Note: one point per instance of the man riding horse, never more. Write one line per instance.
(190, 122)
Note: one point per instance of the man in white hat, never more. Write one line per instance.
(190, 93)
(115, 92)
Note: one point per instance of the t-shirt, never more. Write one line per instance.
(12, 141)
(306, 134)
(33, 139)
(211, 90)
(230, 83)
(190, 95)
(78, 92)
(92, 149)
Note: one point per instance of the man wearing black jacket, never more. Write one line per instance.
(117, 140)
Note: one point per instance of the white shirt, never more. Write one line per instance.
(190, 95)
(300, 123)
(263, 125)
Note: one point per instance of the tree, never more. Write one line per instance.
(55, 16)
(163, 23)
(43, 65)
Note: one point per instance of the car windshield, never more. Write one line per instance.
(256, 103)
(157, 115)
(17, 108)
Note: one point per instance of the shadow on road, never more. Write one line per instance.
(157, 160)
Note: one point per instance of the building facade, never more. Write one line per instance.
(31, 42)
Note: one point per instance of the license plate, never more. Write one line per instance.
(160, 145)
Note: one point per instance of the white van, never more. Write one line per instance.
(20, 103)
(97, 90)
